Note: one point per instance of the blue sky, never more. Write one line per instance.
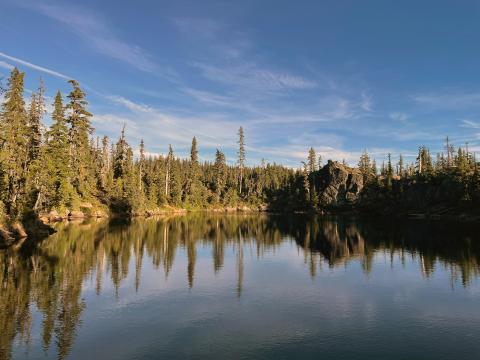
(340, 76)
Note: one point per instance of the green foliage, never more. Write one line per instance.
(66, 168)
(14, 149)
(79, 140)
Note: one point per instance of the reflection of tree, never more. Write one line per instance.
(50, 275)
(440, 244)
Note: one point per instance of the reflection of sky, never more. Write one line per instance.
(392, 311)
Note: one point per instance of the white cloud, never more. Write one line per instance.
(133, 106)
(98, 34)
(215, 37)
(203, 27)
(470, 124)
(6, 65)
(32, 66)
(448, 99)
(399, 116)
(253, 78)
(158, 127)
(366, 103)
(211, 98)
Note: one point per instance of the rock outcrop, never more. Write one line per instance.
(30, 227)
(76, 214)
(339, 185)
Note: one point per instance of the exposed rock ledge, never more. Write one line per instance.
(339, 185)
(17, 231)
(54, 215)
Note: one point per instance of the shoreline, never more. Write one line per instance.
(40, 227)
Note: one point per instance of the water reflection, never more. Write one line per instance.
(46, 279)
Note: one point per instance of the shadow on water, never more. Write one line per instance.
(49, 276)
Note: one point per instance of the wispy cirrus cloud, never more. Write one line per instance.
(31, 66)
(399, 116)
(159, 127)
(448, 99)
(204, 27)
(221, 40)
(253, 77)
(97, 33)
(131, 105)
(164, 128)
(366, 102)
(470, 124)
(6, 65)
(233, 66)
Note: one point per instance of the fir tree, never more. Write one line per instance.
(36, 113)
(374, 167)
(14, 137)
(312, 160)
(80, 130)
(120, 157)
(241, 158)
(141, 165)
(220, 174)
(424, 161)
(389, 171)
(364, 166)
(57, 155)
(106, 174)
(401, 166)
(168, 170)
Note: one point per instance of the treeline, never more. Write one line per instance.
(449, 182)
(65, 167)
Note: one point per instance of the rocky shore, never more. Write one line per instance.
(339, 189)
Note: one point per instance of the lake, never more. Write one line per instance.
(207, 286)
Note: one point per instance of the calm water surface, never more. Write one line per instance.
(244, 286)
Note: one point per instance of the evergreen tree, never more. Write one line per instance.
(312, 160)
(305, 185)
(175, 187)
(401, 166)
(168, 170)
(364, 166)
(319, 161)
(374, 167)
(195, 192)
(461, 161)
(241, 158)
(449, 149)
(141, 165)
(80, 130)
(220, 174)
(106, 173)
(193, 171)
(311, 168)
(36, 113)
(57, 155)
(14, 137)
(424, 161)
(120, 157)
(389, 171)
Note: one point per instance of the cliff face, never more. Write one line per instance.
(339, 185)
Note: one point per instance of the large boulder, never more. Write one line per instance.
(339, 185)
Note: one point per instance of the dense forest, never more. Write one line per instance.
(66, 168)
